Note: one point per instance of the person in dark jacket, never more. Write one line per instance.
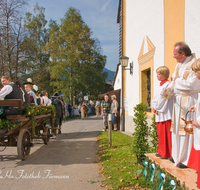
(105, 110)
(70, 110)
(10, 91)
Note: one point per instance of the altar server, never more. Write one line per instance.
(162, 107)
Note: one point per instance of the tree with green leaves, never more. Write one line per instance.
(36, 59)
(77, 63)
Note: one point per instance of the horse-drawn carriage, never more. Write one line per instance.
(26, 128)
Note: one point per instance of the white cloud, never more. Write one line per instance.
(105, 6)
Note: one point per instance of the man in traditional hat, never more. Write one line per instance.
(10, 91)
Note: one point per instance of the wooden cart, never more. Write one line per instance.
(23, 132)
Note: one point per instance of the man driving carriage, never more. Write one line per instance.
(10, 91)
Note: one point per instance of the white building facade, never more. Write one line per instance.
(148, 31)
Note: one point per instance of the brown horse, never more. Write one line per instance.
(98, 110)
(84, 110)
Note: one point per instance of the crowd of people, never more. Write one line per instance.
(30, 95)
(36, 96)
(106, 107)
(171, 104)
(70, 109)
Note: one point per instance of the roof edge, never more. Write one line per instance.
(118, 13)
(116, 72)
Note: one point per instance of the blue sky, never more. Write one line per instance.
(99, 15)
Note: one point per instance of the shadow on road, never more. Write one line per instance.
(87, 119)
(5, 158)
(77, 147)
(70, 148)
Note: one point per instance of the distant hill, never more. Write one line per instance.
(110, 76)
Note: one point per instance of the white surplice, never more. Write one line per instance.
(164, 107)
(187, 90)
(46, 101)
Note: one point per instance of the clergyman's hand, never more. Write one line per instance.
(192, 109)
(176, 78)
(195, 124)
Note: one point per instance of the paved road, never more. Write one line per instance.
(66, 163)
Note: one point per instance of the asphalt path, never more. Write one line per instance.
(66, 163)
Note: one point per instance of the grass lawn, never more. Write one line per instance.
(118, 166)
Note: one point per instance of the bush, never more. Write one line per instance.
(154, 135)
(140, 144)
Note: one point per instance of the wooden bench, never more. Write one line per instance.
(11, 103)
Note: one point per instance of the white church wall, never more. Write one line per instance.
(192, 26)
(144, 18)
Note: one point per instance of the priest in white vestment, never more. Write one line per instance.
(186, 87)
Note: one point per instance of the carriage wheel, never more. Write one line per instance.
(23, 144)
(47, 135)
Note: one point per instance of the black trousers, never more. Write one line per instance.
(11, 111)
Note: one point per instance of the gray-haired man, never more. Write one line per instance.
(105, 110)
